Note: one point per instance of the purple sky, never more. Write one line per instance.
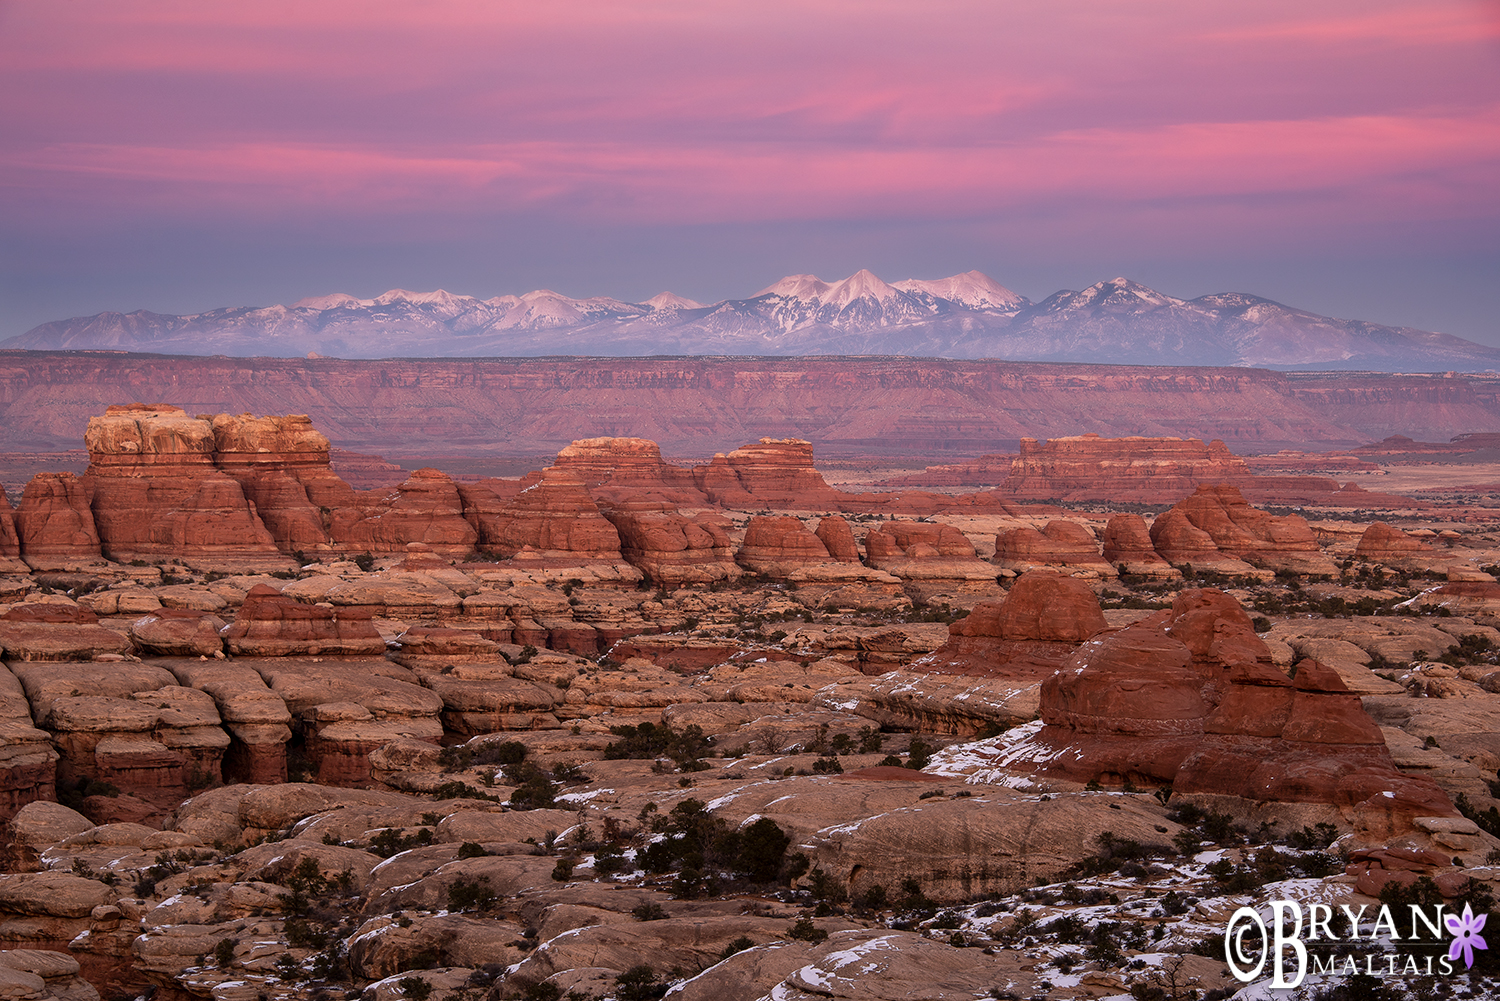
(176, 156)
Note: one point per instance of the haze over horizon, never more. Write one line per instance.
(179, 157)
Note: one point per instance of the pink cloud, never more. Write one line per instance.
(684, 112)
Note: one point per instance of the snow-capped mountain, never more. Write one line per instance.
(963, 316)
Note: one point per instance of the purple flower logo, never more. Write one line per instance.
(1466, 937)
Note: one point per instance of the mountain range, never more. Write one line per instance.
(965, 316)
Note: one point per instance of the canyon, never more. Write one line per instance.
(625, 721)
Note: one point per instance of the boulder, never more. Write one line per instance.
(838, 539)
(1041, 621)
(41, 824)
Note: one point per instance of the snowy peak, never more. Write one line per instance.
(972, 288)
(863, 284)
(962, 316)
(337, 300)
(804, 287)
(1115, 295)
(670, 300)
(438, 298)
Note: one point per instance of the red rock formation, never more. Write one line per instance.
(1127, 544)
(1041, 621)
(269, 624)
(178, 632)
(40, 632)
(1191, 698)
(556, 518)
(157, 494)
(10, 543)
(838, 539)
(1466, 597)
(28, 763)
(345, 710)
(618, 468)
(1088, 467)
(1181, 543)
(778, 544)
(1235, 529)
(275, 459)
(917, 539)
(1293, 461)
(364, 472)
(936, 562)
(423, 646)
(774, 472)
(130, 725)
(1154, 470)
(1382, 543)
(55, 525)
(1060, 544)
(426, 509)
(255, 717)
(985, 471)
(673, 549)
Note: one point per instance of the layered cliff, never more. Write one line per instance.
(844, 406)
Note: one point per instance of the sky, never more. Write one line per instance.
(176, 155)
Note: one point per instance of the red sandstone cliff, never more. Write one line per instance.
(696, 406)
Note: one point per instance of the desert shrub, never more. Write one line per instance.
(391, 841)
(639, 983)
(461, 790)
(762, 850)
(415, 988)
(470, 895)
(652, 740)
(738, 945)
(804, 930)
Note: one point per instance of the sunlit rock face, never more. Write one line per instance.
(1190, 698)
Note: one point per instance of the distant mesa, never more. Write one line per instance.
(968, 315)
